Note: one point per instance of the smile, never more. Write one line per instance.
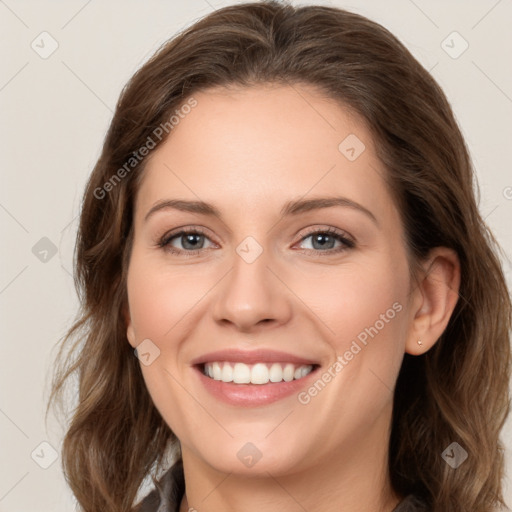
(259, 373)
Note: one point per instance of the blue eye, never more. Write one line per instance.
(192, 241)
(323, 241)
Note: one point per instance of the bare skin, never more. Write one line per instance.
(248, 152)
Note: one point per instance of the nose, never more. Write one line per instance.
(252, 296)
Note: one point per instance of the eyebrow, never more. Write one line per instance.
(289, 209)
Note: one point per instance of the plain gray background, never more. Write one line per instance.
(55, 112)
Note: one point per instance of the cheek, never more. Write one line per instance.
(160, 298)
(365, 310)
(364, 307)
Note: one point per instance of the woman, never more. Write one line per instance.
(282, 228)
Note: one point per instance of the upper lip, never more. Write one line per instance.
(251, 357)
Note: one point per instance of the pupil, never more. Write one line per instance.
(322, 239)
(190, 239)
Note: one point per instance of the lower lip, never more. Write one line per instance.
(253, 395)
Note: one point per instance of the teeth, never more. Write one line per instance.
(259, 373)
(288, 372)
(241, 373)
(227, 373)
(217, 372)
(276, 373)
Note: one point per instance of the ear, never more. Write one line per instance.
(130, 331)
(434, 299)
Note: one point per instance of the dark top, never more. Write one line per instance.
(171, 489)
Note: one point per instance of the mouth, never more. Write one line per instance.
(260, 373)
(252, 378)
(257, 385)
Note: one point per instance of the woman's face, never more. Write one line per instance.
(271, 272)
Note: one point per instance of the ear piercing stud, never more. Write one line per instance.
(420, 343)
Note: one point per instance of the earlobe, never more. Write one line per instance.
(130, 335)
(436, 297)
(130, 331)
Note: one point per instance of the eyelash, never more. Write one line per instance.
(164, 242)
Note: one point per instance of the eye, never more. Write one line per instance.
(192, 241)
(324, 241)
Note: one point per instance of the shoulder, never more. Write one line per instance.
(167, 495)
(411, 503)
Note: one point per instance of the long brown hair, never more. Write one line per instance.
(456, 392)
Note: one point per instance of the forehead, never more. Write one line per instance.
(259, 146)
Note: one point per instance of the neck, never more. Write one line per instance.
(355, 475)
